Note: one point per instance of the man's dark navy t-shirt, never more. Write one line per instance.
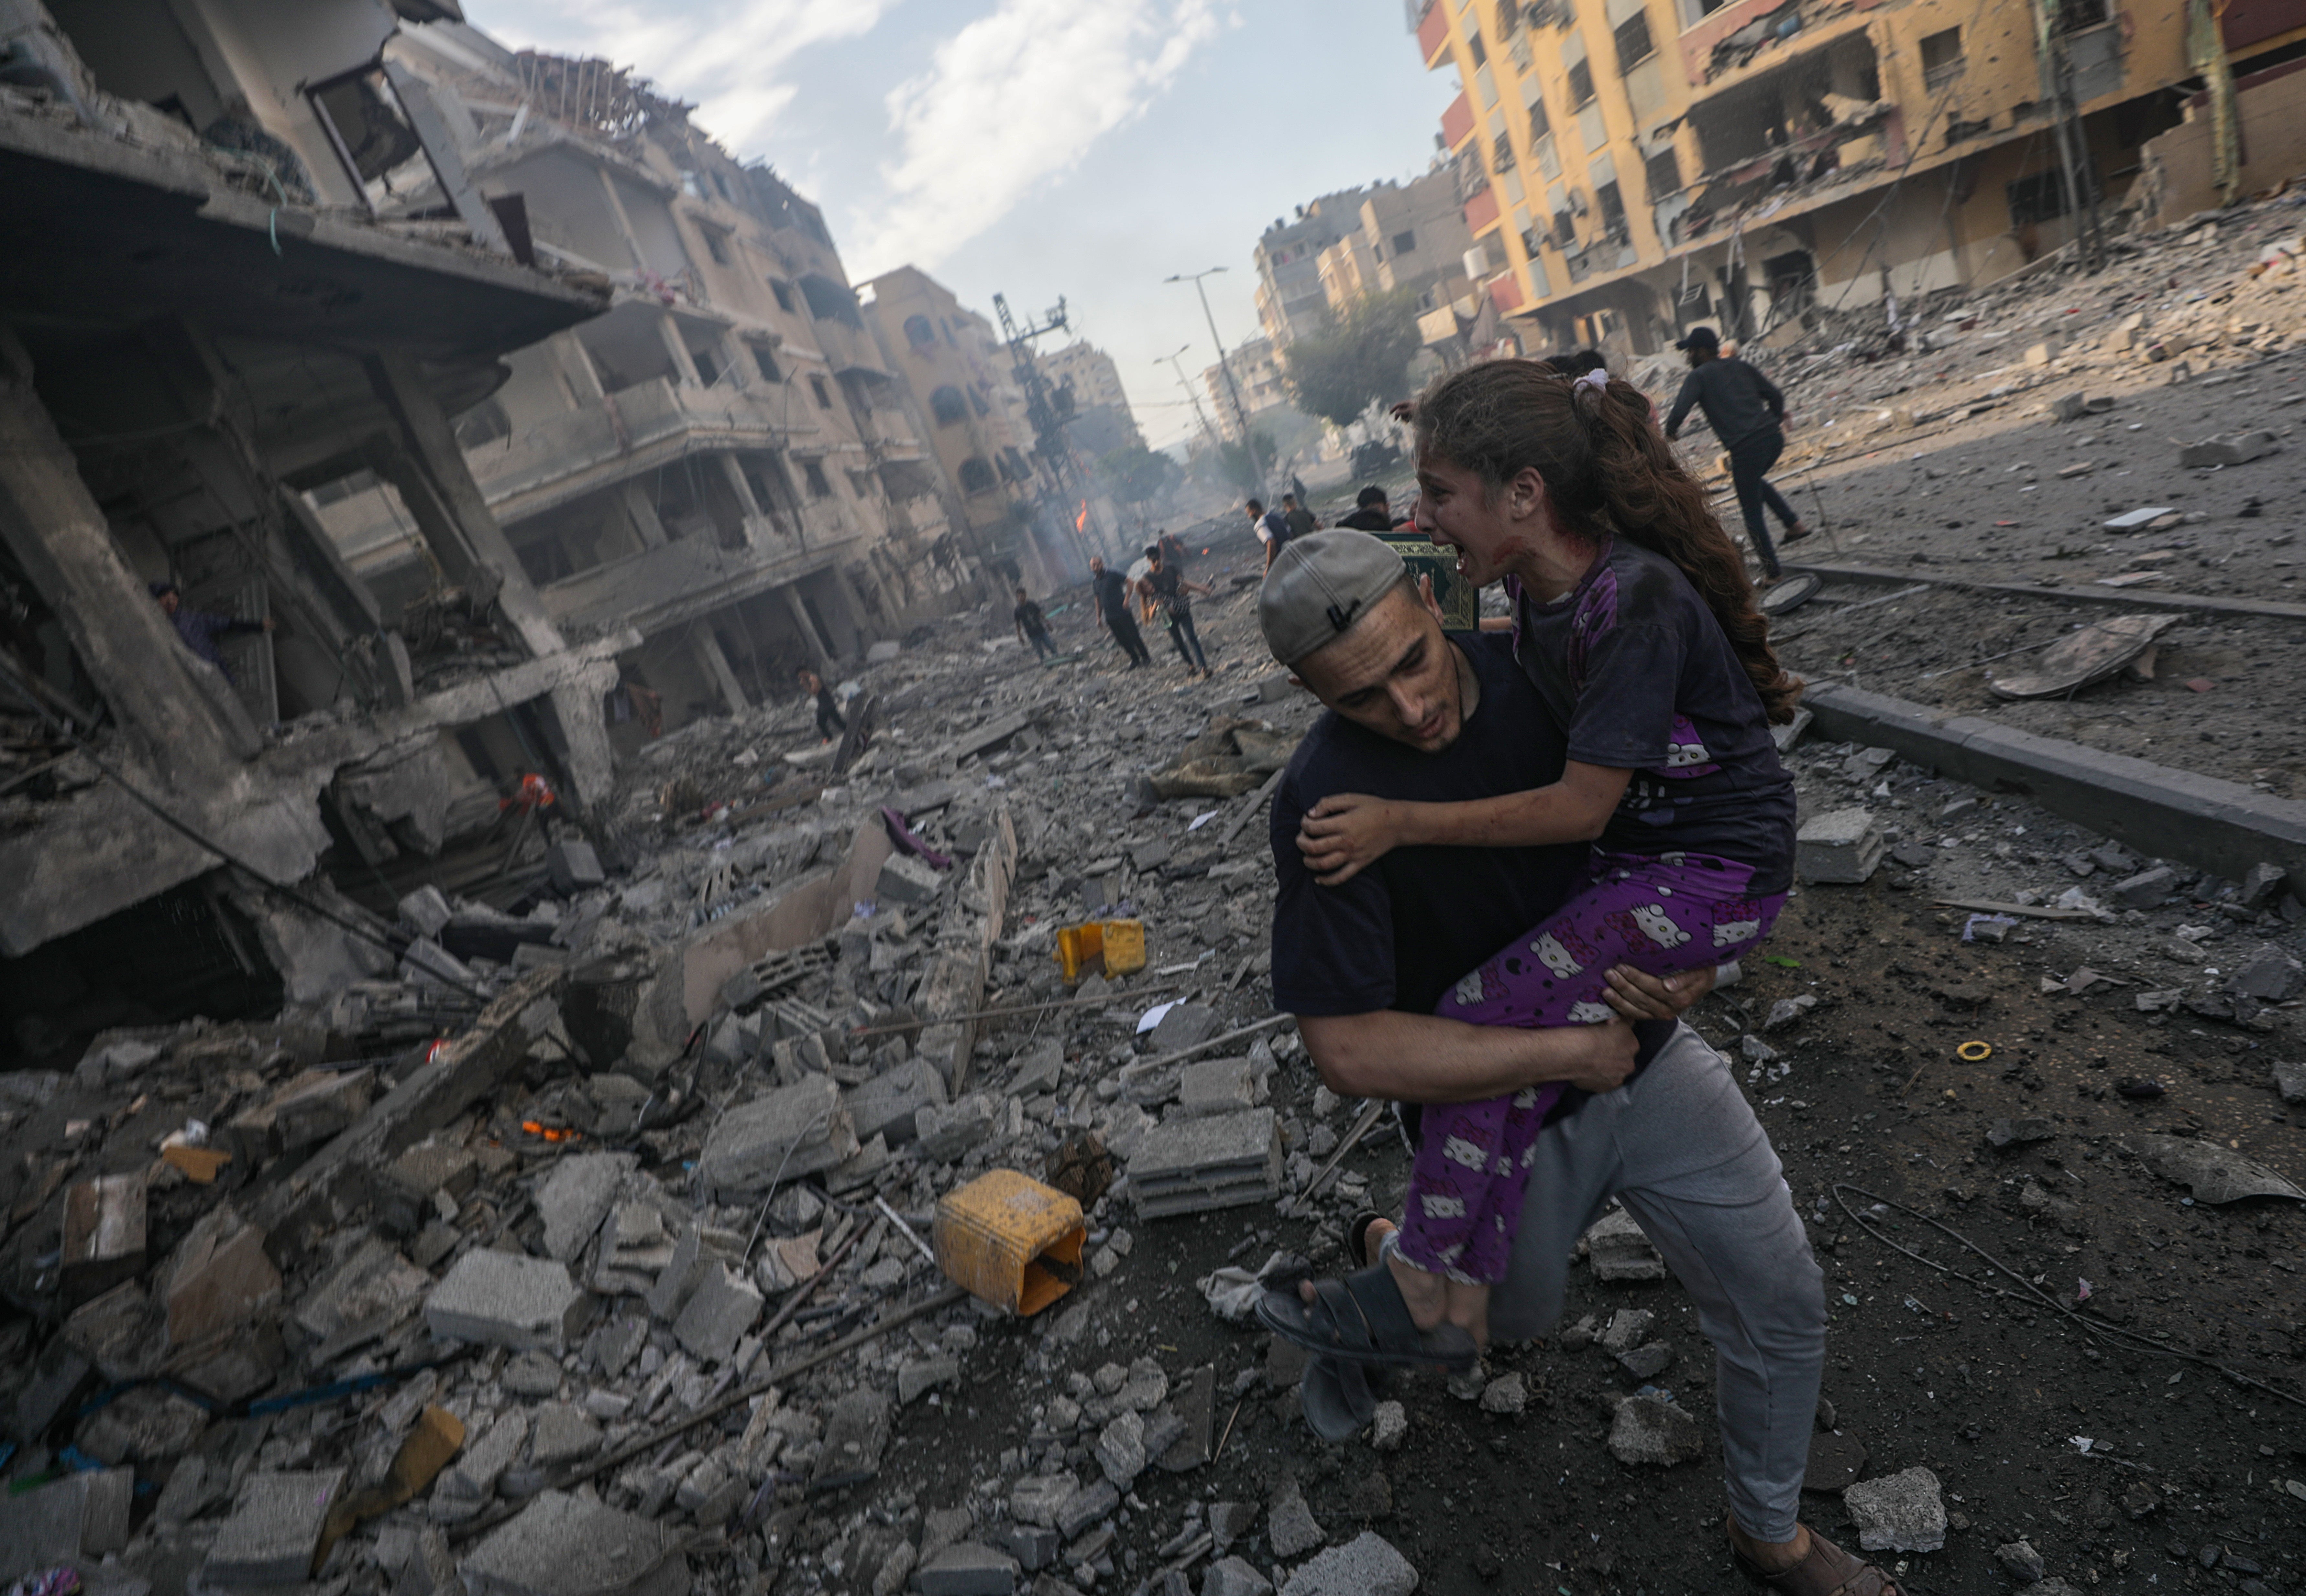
(1112, 591)
(1399, 934)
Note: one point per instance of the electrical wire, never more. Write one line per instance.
(2032, 1294)
(160, 812)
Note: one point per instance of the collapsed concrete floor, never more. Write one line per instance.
(640, 1230)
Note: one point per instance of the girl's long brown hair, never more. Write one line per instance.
(1608, 470)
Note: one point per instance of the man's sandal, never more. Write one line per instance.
(1827, 1571)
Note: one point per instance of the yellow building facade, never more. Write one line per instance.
(1631, 168)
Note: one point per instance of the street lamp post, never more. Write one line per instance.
(1240, 412)
(1175, 363)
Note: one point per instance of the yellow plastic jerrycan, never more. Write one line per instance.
(1117, 946)
(1009, 1241)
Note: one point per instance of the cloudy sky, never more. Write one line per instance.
(1039, 147)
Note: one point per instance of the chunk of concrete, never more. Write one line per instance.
(574, 867)
(80, 1515)
(1647, 1430)
(561, 1433)
(273, 1531)
(966, 1568)
(1902, 1512)
(906, 879)
(319, 1105)
(561, 1545)
(504, 1300)
(887, 1105)
(219, 1279)
(472, 1477)
(856, 1432)
(1085, 1506)
(796, 1131)
(576, 1197)
(1216, 1086)
(2146, 889)
(2269, 975)
(425, 911)
(1185, 1024)
(102, 1236)
(948, 1130)
(1365, 1566)
(720, 1310)
(1121, 1450)
(1036, 1498)
(1290, 1526)
(2290, 1081)
(2237, 450)
(1230, 1576)
(1190, 1166)
(1619, 1252)
(1842, 847)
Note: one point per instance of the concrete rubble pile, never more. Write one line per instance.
(627, 1200)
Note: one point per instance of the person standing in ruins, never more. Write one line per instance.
(1110, 590)
(1748, 415)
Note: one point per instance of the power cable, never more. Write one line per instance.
(160, 812)
(2026, 1291)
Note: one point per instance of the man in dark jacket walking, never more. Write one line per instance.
(1747, 414)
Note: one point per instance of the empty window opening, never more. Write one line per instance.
(1633, 46)
(1581, 84)
(947, 406)
(975, 476)
(1941, 57)
(819, 485)
(816, 386)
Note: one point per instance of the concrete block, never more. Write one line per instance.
(2047, 351)
(80, 1515)
(104, 1236)
(2263, 882)
(1216, 1086)
(274, 1528)
(1843, 846)
(219, 1279)
(2290, 1081)
(1121, 1450)
(1230, 1576)
(966, 1568)
(793, 1131)
(2269, 975)
(1290, 1526)
(472, 1477)
(1619, 1250)
(319, 1105)
(1647, 1430)
(1088, 1506)
(560, 1545)
(1185, 1024)
(373, 1286)
(1902, 1512)
(856, 1434)
(882, 652)
(1037, 1499)
(1189, 1166)
(722, 1308)
(949, 1130)
(904, 879)
(575, 1197)
(2237, 450)
(561, 1433)
(886, 1105)
(425, 911)
(574, 867)
(503, 1300)
(1366, 1566)
(2146, 889)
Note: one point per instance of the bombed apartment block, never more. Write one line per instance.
(395, 431)
(1634, 169)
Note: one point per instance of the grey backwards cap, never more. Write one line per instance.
(1320, 585)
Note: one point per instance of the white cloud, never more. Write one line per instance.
(1012, 100)
(726, 56)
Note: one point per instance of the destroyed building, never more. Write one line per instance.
(1630, 169)
(723, 461)
(219, 323)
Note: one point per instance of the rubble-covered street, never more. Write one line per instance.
(653, 1235)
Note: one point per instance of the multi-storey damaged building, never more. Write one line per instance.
(723, 461)
(509, 417)
(1631, 167)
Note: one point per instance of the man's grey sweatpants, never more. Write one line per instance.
(1680, 1148)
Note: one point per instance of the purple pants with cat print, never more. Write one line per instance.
(1663, 914)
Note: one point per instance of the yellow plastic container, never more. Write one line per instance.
(1117, 946)
(1009, 1241)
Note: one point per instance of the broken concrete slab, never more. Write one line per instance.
(2146, 888)
(574, 1196)
(1185, 1024)
(472, 1477)
(855, 1433)
(562, 1545)
(1290, 1527)
(505, 1300)
(719, 1312)
(273, 1529)
(1619, 1252)
(2237, 450)
(561, 1433)
(2214, 1173)
(102, 1236)
(906, 879)
(80, 1515)
(793, 1131)
(1216, 1086)
(1366, 1566)
(1900, 1512)
(1842, 847)
(886, 1104)
(219, 1279)
(1647, 1430)
(966, 1568)
(1190, 1166)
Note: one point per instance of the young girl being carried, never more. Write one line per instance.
(1635, 619)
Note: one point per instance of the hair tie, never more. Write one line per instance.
(1597, 379)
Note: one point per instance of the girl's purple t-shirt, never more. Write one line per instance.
(1639, 674)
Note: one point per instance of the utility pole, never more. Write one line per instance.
(1049, 440)
(1240, 411)
(2074, 149)
(1176, 363)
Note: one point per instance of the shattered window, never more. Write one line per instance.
(819, 485)
(783, 291)
(918, 330)
(1663, 173)
(1501, 154)
(976, 475)
(946, 404)
(1540, 125)
(2075, 15)
(2041, 198)
(1633, 46)
(766, 361)
(1581, 83)
(717, 244)
(824, 393)
(1613, 209)
(1941, 57)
